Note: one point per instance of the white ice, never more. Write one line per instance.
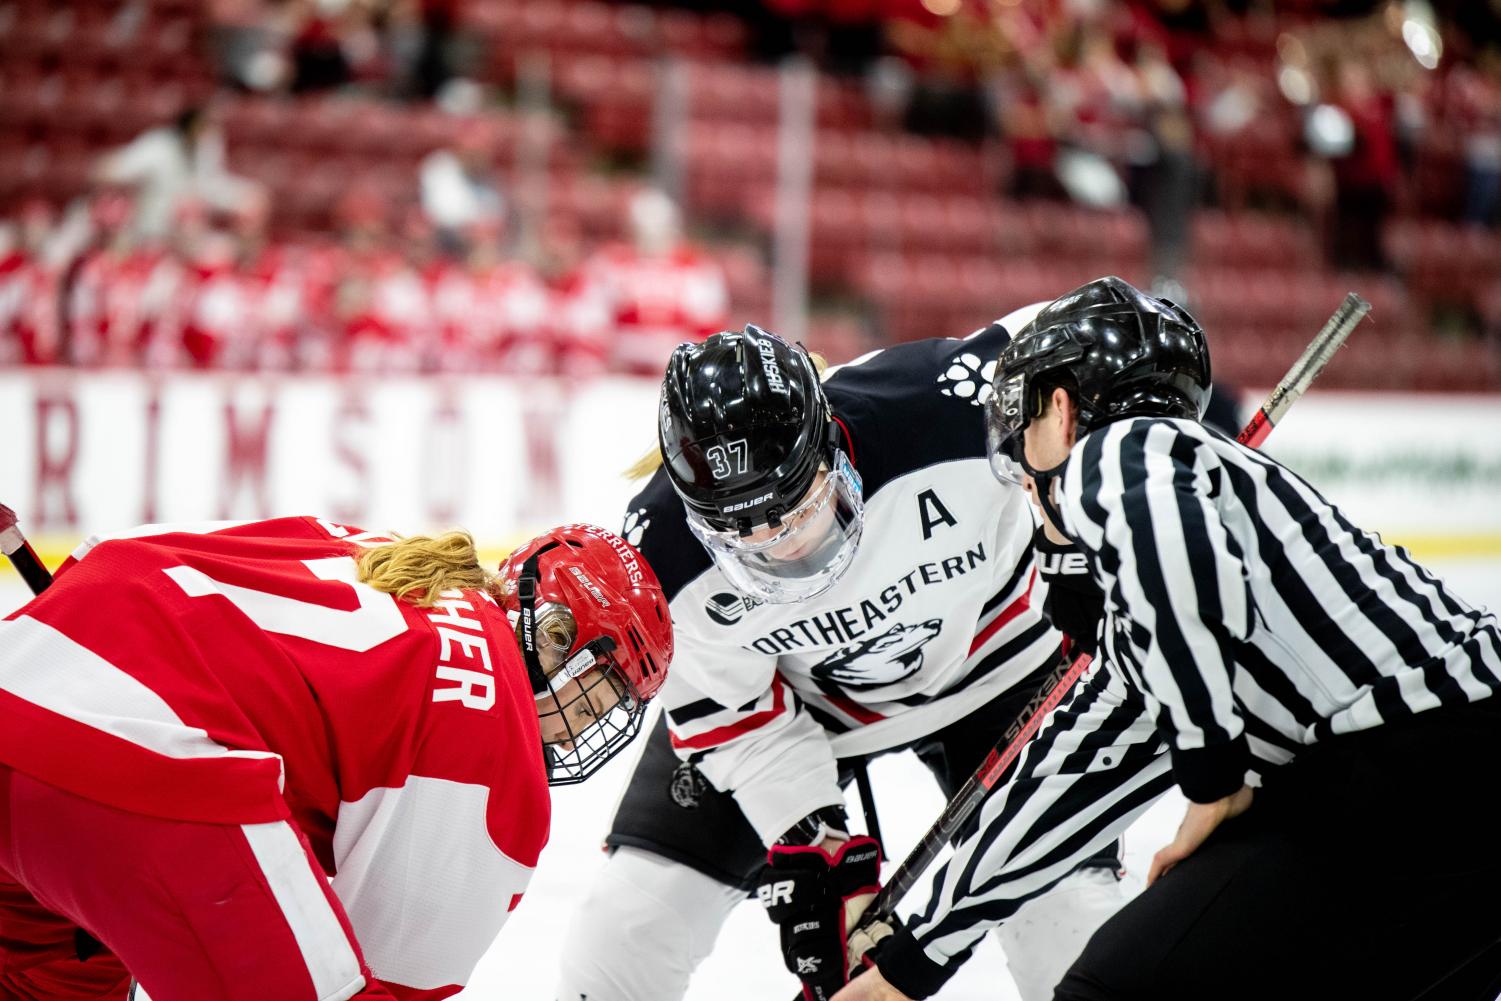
(745, 965)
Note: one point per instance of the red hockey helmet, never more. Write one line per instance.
(596, 634)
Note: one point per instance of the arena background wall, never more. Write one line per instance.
(96, 452)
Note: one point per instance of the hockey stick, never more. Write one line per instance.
(15, 547)
(867, 799)
(959, 809)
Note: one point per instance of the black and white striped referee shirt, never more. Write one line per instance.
(1246, 618)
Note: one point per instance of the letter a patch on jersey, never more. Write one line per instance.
(933, 513)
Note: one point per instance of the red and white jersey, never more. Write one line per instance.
(239, 674)
(220, 317)
(654, 303)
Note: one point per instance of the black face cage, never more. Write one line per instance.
(589, 747)
(604, 696)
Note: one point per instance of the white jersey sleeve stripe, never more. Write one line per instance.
(52, 671)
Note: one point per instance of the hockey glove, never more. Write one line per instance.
(815, 898)
(864, 946)
(1074, 604)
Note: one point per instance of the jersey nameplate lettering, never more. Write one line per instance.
(844, 626)
(463, 654)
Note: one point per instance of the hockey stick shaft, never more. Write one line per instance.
(867, 799)
(16, 549)
(968, 798)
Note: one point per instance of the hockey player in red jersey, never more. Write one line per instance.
(292, 760)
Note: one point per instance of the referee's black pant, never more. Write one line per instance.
(1368, 869)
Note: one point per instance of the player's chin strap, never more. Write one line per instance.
(1043, 478)
(526, 595)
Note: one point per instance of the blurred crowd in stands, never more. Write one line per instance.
(170, 263)
(353, 197)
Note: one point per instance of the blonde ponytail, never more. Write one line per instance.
(651, 461)
(419, 568)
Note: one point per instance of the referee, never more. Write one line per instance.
(1325, 703)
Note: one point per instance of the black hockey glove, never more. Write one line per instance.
(815, 899)
(1074, 604)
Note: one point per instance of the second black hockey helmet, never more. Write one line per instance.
(743, 425)
(1129, 355)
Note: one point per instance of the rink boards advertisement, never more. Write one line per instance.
(96, 452)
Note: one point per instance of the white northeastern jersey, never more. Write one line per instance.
(939, 612)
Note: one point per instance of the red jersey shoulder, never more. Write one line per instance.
(482, 722)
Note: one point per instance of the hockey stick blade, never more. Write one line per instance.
(959, 809)
(15, 547)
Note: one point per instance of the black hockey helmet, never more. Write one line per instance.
(744, 427)
(1129, 355)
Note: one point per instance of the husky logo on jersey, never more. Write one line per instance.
(880, 660)
(968, 378)
(636, 524)
(728, 608)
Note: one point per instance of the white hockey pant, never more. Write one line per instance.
(648, 922)
(644, 927)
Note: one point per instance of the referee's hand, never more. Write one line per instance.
(1198, 823)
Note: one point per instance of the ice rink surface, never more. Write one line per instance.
(745, 966)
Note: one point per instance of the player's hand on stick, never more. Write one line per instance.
(870, 986)
(1198, 823)
(866, 938)
(815, 896)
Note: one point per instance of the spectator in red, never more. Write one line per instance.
(30, 283)
(657, 292)
(117, 291)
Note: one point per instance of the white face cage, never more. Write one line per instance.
(803, 556)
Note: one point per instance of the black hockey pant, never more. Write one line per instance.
(1370, 868)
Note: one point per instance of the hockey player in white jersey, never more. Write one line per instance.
(844, 581)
